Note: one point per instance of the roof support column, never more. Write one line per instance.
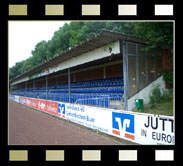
(26, 85)
(46, 86)
(25, 88)
(34, 84)
(104, 72)
(69, 84)
(137, 69)
(125, 74)
(56, 80)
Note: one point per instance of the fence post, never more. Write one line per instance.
(46, 86)
(69, 85)
(104, 103)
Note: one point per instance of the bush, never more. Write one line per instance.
(167, 95)
(168, 77)
(158, 97)
(152, 102)
(156, 92)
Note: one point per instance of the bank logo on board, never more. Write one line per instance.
(61, 110)
(123, 125)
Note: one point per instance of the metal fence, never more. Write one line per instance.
(97, 100)
(101, 101)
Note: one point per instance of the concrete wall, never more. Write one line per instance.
(145, 93)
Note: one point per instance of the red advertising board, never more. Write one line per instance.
(52, 107)
(29, 102)
(42, 105)
(48, 106)
(34, 103)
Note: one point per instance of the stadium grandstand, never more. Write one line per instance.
(105, 71)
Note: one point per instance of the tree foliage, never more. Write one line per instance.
(157, 33)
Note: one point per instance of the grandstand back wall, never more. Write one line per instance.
(106, 71)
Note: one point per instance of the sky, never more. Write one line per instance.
(24, 35)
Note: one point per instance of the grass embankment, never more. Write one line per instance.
(161, 102)
(161, 109)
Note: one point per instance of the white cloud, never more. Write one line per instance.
(24, 35)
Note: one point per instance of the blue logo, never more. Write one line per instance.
(61, 110)
(123, 125)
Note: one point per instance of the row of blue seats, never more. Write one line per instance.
(85, 84)
(97, 84)
(91, 90)
(119, 79)
(99, 90)
(65, 96)
(88, 84)
(84, 90)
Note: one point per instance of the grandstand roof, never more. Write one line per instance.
(104, 38)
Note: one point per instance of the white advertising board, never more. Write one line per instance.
(16, 98)
(95, 118)
(153, 129)
(12, 97)
(140, 128)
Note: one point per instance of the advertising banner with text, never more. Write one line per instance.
(144, 128)
(152, 129)
(136, 127)
(95, 118)
(42, 105)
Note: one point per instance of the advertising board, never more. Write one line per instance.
(12, 97)
(16, 98)
(30, 102)
(87, 116)
(42, 105)
(33, 103)
(153, 129)
(24, 100)
(143, 128)
(52, 108)
(123, 125)
(140, 128)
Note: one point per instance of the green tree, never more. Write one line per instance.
(15, 70)
(159, 34)
(40, 53)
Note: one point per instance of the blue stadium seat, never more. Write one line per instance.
(85, 90)
(115, 90)
(113, 83)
